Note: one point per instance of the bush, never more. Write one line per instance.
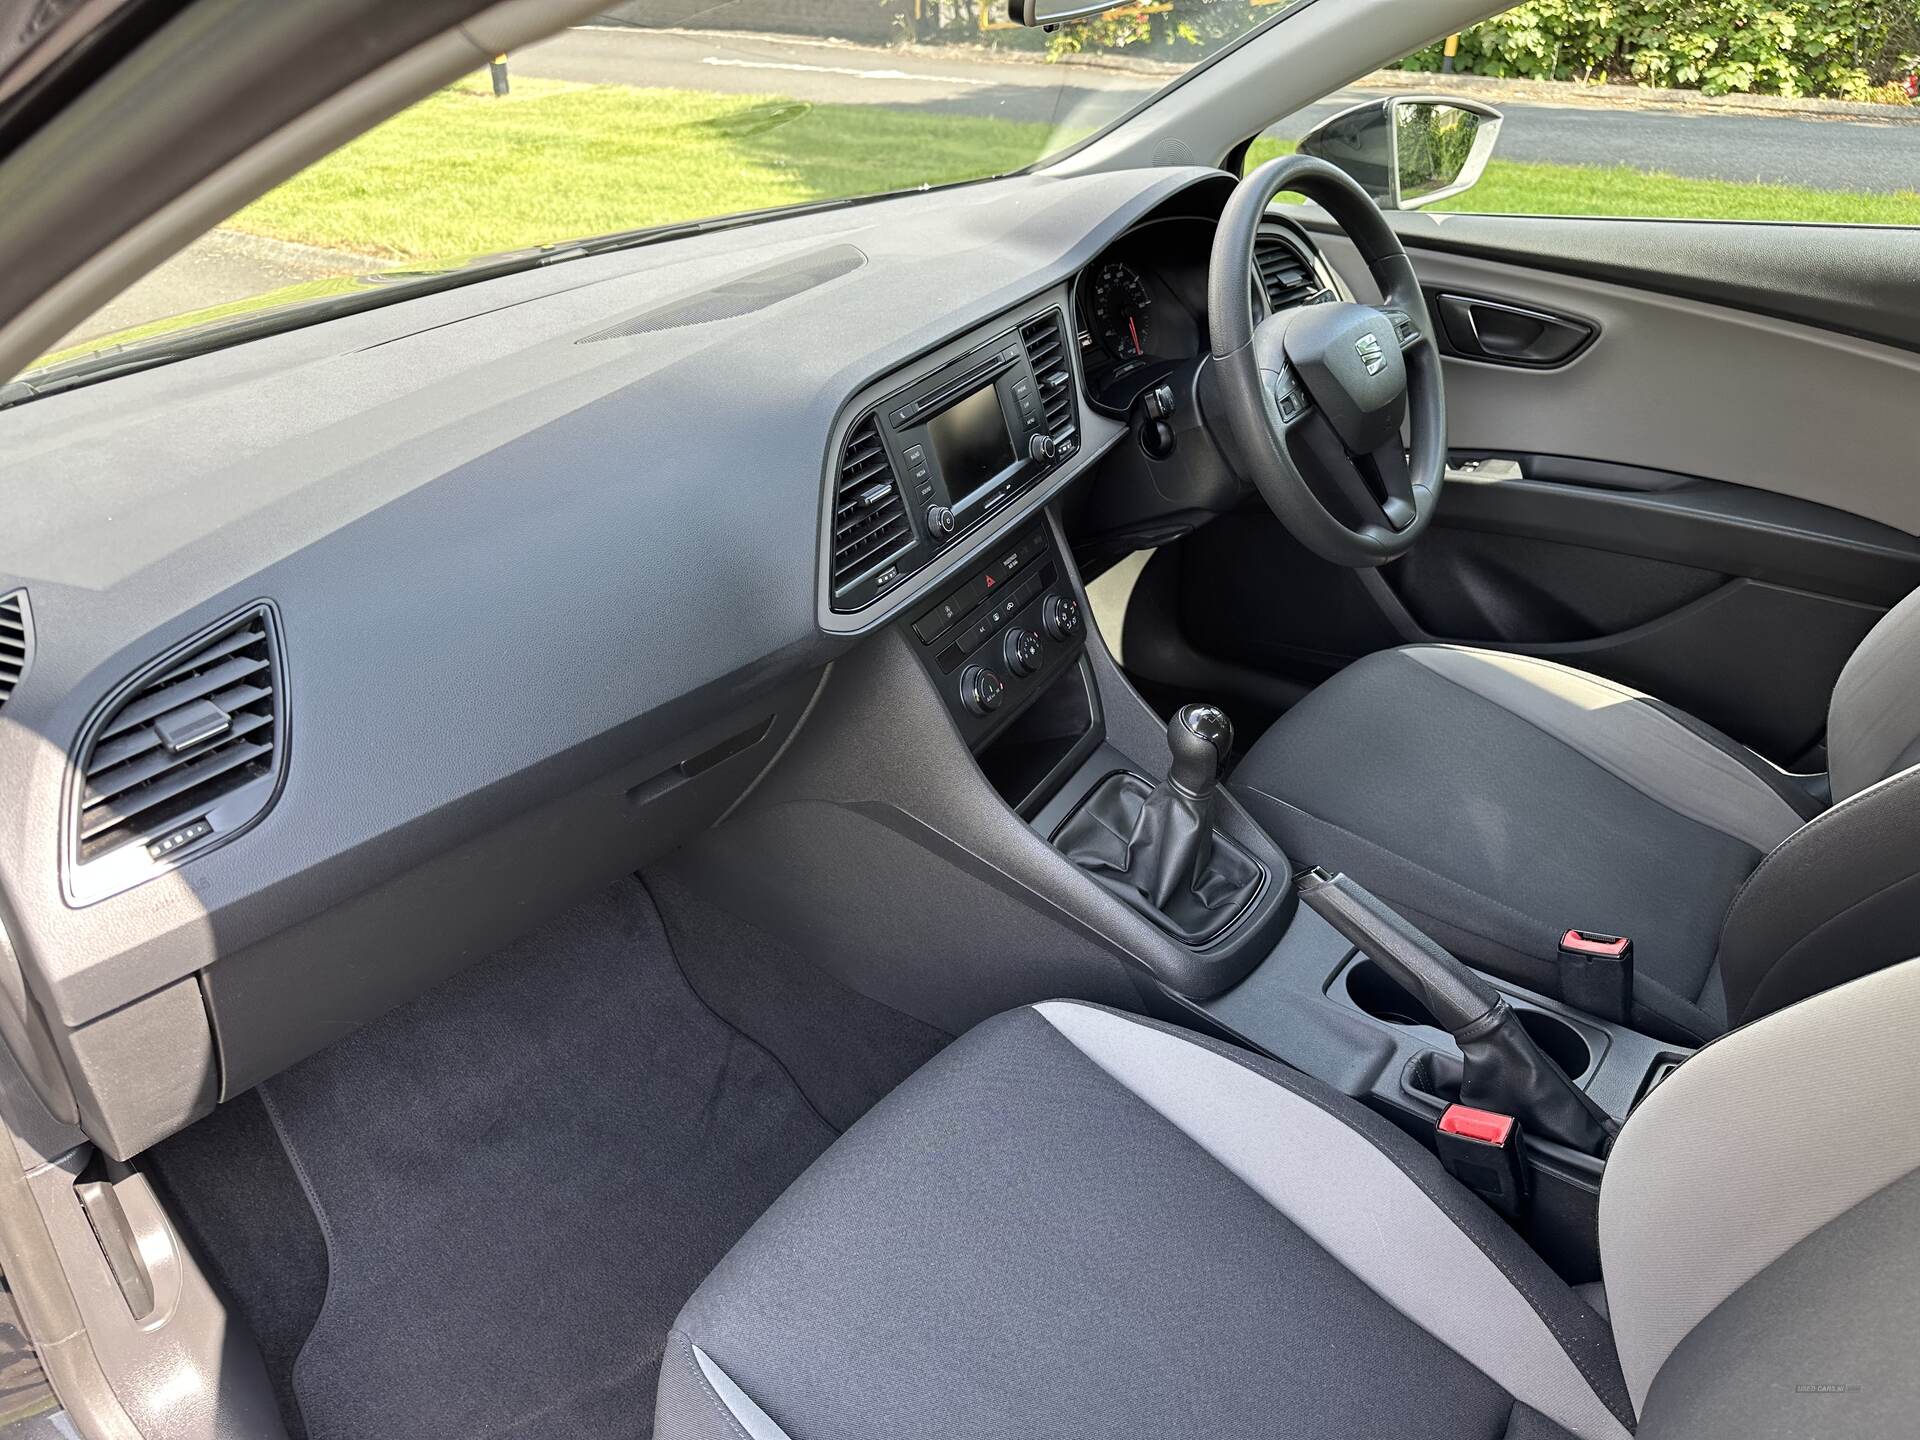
(1843, 48)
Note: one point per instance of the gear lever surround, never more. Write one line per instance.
(1156, 846)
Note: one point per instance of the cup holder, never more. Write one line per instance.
(1384, 998)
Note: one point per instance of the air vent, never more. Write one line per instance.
(1286, 275)
(188, 754)
(1045, 338)
(869, 518)
(16, 641)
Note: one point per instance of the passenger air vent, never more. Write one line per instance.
(16, 641)
(869, 517)
(1045, 338)
(1285, 274)
(186, 755)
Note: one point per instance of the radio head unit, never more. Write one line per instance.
(957, 444)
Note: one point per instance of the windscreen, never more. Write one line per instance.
(649, 116)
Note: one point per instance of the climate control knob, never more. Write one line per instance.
(940, 522)
(1022, 651)
(1060, 617)
(981, 691)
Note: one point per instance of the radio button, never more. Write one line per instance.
(940, 522)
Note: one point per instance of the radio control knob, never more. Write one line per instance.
(940, 522)
(1022, 651)
(1041, 449)
(981, 691)
(1060, 616)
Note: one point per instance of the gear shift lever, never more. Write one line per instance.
(1155, 845)
(1179, 814)
(1201, 738)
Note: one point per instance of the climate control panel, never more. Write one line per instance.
(994, 640)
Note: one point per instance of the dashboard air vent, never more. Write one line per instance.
(1285, 273)
(16, 641)
(869, 517)
(1045, 338)
(188, 753)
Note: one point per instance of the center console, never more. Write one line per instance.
(1340, 986)
(982, 812)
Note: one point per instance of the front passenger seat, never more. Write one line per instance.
(1499, 800)
(1075, 1222)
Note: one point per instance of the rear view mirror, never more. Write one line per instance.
(1054, 12)
(1407, 150)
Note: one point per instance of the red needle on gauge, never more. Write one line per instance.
(1134, 333)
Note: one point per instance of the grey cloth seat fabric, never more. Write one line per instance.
(1500, 800)
(1078, 1223)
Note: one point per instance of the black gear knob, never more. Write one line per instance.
(1201, 738)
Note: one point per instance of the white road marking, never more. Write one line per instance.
(842, 70)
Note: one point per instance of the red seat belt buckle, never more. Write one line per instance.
(1481, 1149)
(1600, 947)
(1596, 974)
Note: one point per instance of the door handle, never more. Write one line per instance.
(1504, 334)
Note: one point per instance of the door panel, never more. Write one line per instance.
(1682, 384)
(1713, 499)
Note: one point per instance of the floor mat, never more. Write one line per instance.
(521, 1177)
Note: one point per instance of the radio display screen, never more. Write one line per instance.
(971, 442)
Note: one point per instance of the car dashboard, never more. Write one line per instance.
(352, 651)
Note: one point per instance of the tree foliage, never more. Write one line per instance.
(1852, 49)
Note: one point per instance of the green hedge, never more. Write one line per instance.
(1851, 49)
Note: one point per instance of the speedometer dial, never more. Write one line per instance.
(1122, 310)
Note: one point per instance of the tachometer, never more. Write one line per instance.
(1122, 310)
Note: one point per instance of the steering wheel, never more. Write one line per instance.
(1313, 398)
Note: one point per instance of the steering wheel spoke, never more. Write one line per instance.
(1291, 402)
(1375, 490)
(1392, 483)
(1405, 328)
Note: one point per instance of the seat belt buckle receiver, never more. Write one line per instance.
(1481, 1149)
(1596, 974)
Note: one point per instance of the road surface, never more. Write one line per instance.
(1798, 150)
(221, 266)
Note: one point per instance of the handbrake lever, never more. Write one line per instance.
(1503, 1068)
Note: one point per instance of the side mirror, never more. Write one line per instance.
(1408, 150)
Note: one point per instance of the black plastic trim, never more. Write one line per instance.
(1704, 523)
(72, 866)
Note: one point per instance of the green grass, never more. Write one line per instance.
(462, 173)
(1515, 187)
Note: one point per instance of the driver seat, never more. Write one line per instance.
(1499, 800)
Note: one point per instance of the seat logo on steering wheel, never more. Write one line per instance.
(1368, 346)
